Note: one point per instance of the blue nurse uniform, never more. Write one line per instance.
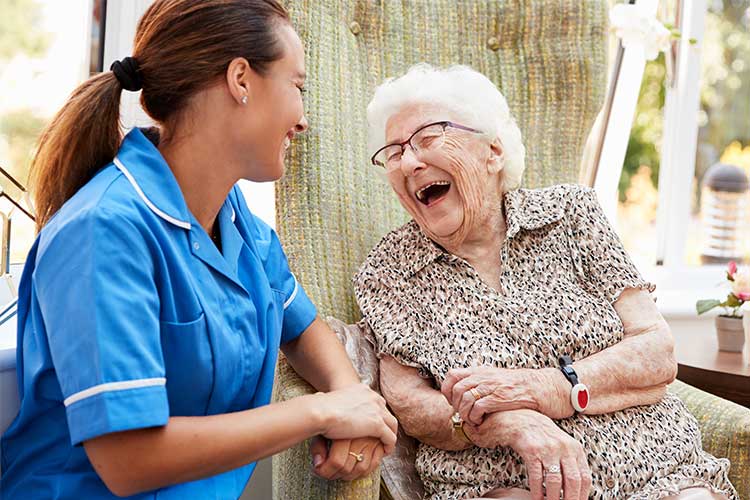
(129, 314)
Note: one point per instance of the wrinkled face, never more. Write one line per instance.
(450, 190)
(275, 108)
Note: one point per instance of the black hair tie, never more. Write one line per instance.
(128, 74)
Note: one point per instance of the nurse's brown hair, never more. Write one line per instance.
(181, 47)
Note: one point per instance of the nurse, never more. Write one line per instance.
(153, 303)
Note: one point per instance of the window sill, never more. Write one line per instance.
(678, 289)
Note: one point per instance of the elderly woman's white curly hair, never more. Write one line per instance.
(471, 95)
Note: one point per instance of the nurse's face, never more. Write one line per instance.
(274, 110)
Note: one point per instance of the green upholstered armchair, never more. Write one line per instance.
(549, 59)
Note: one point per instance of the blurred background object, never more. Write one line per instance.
(724, 200)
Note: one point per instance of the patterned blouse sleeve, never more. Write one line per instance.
(393, 325)
(599, 257)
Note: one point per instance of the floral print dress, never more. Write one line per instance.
(563, 268)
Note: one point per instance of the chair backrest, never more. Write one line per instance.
(548, 57)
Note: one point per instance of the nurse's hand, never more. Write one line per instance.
(356, 412)
(341, 461)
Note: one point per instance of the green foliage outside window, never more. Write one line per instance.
(724, 98)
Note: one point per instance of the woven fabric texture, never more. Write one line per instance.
(725, 431)
(548, 57)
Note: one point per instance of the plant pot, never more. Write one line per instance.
(746, 325)
(730, 333)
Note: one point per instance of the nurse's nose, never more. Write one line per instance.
(410, 163)
(301, 125)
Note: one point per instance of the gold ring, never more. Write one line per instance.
(474, 392)
(358, 456)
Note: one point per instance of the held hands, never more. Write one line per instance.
(476, 392)
(361, 431)
(554, 461)
(342, 459)
(356, 412)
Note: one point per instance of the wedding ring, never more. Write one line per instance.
(357, 456)
(552, 469)
(474, 392)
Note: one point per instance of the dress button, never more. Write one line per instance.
(197, 245)
(545, 349)
(355, 28)
(493, 43)
(610, 483)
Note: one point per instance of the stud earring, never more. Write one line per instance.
(244, 99)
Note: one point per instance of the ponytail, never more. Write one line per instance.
(181, 47)
(82, 137)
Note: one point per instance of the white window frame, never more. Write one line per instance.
(679, 144)
(617, 121)
(678, 285)
(682, 285)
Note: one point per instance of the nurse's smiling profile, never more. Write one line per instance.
(153, 303)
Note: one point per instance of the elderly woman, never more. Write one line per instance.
(517, 341)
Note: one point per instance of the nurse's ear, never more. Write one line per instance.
(496, 158)
(239, 78)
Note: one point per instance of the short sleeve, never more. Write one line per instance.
(96, 291)
(299, 311)
(604, 266)
(393, 323)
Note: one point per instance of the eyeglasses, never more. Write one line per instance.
(427, 138)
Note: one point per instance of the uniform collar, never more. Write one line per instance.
(145, 168)
(526, 209)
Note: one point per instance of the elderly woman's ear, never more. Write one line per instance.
(496, 160)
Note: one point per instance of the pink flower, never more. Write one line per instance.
(741, 284)
(732, 268)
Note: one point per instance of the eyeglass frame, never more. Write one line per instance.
(444, 123)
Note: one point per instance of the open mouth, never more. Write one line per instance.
(433, 192)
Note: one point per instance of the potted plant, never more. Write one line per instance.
(729, 329)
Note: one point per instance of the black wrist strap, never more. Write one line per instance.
(566, 366)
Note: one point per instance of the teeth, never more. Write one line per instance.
(420, 193)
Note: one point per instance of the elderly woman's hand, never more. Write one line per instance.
(544, 449)
(476, 392)
(346, 459)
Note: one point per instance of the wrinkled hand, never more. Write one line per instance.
(476, 392)
(337, 463)
(357, 412)
(541, 445)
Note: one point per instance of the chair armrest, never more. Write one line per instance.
(292, 469)
(725, 430)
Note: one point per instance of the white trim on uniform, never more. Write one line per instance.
(293, 295)
(168, 218)
(114, 386)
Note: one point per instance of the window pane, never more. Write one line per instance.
(637, 190)
(44, 54)
(638, 187)
(719, 228)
